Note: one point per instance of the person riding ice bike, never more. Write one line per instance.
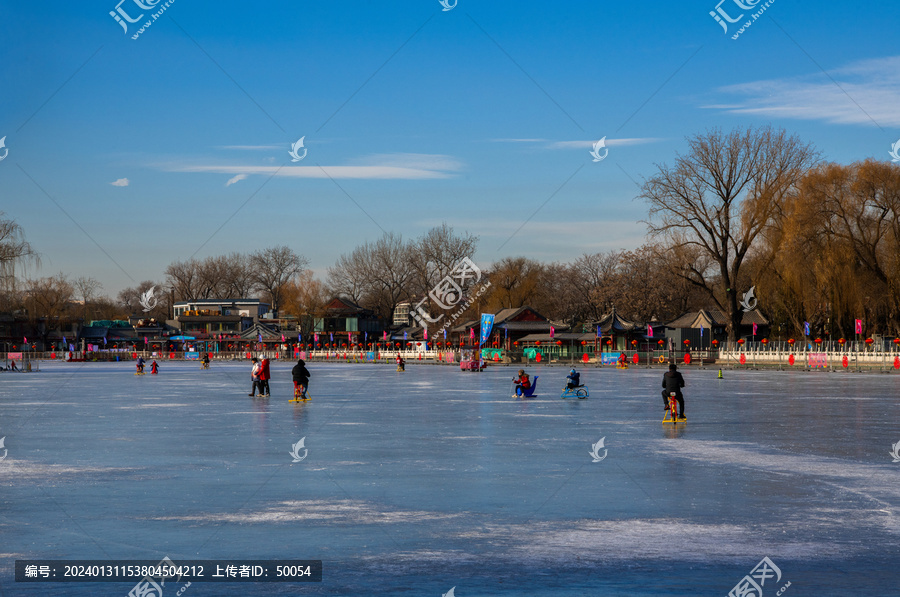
(574, 380)
(673, 382)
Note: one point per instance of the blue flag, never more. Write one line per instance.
(701, 331)
(487, 325)
(598, 331)
(806, 328)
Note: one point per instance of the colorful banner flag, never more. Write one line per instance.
(316, 337)
(754, 328)
(385, 335)
(445, 333)
(701, 331)
(282, 337)
(649, 331)
(259, 336)
(859, 326)
(404, 335)
(471, 333)
(598, 331)
(806, 328)
(426, 335)
(146, 341)
(552, 331)
(104, 340)
(24, 340)
(331, 336)
(487, 324)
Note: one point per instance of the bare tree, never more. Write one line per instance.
(14, 249)
(184, 278)
(236, 279)
(718, 199)
(271, 269)
(49, 298)
(434, 255)
(87, 288)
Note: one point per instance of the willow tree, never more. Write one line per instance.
(712, 205)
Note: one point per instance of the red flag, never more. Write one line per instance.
(649, 331)
(472, 333)
(859, 326)
(754, 329)
(552, 331)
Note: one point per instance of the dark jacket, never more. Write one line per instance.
(673, 382)
(300, 373)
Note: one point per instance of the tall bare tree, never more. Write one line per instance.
(718, 198)
(271, 269)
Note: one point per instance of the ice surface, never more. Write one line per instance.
(419, 481)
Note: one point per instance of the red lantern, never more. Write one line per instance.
(538, 343)
(688, 342)
(714, 342)
(609, 342)
(896, 340)
(841, 341)
(583, 342)
(516, 343)
(791, 341)
(818, 340)
(765, 340)
(559, 343)
(634, 342)
(741, 341)
(661, 342)
(869, 340)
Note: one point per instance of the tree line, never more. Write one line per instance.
(751, 207)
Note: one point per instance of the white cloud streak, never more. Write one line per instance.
(869, 94)
(235, 179)
(121, 182)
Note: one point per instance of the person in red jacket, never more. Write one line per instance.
(264, 377)
(522, 382)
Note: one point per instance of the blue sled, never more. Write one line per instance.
(576, 392)
(529, 392)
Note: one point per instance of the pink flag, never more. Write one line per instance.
(754, 329)
(859, 326)
(426, 333)
(282, 337)
(316, 339)
(472, 333)
(146, 341)
(649, 330)
(385, 334)
(24, 340)
(552, 331)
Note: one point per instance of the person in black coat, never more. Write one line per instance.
(673, 382)
(301, 377)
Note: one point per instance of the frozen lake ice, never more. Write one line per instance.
(421, 481)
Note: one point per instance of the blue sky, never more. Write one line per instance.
(481, 116)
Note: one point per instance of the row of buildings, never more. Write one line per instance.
(239, 324)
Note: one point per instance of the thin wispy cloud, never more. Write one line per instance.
(609, 143)
(397, 166)
(121, 182)
(547, 144)
(867, 91)
(235, 179)
(255, 147)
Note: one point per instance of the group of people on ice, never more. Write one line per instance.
(260, 375)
